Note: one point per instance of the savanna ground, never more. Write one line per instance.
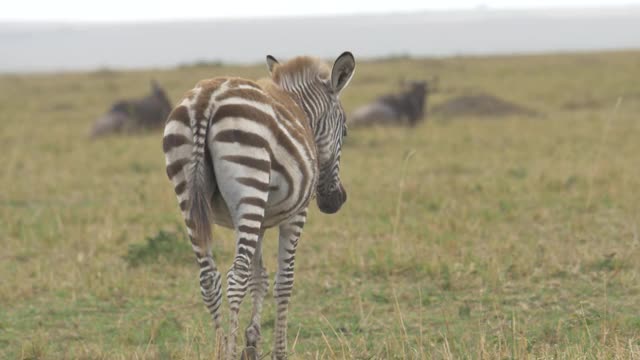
(512, 237)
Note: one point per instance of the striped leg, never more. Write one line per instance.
(258, 286)
(288, 240)
(211, 289)
(248, 229)
(184, 154)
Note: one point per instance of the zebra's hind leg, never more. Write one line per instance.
(258, 286)
(248, 231)
(211, 291)
(287, 243)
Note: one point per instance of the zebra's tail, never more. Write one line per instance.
(202, 184)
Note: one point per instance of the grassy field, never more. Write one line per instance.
(480, 238)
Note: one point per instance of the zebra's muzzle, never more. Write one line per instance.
(332, 202)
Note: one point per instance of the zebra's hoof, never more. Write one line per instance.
(279, 356)
(249, 353)
(252, 334)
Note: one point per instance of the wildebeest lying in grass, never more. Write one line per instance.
(135, 115)
(404, 108)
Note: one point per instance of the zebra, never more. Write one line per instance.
(250, 155)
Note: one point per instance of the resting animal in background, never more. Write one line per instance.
(131, 116)
(250, 156)
(405, 108)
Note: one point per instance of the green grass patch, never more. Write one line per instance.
(166, 246)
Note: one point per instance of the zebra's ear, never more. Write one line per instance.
(271, 63)
(342, 71)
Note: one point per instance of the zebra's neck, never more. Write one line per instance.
(304, 89)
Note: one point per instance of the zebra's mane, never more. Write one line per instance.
(302, 69)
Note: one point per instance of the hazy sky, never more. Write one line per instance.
(132, 10)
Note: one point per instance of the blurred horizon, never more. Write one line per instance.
(190, 10)
(53, 46)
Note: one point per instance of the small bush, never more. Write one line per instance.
(165, 246)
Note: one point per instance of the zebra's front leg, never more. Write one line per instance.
(248, 230)
(288, 241)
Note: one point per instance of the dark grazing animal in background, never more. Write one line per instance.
(405, 108)
(136, 115)
(250, 156)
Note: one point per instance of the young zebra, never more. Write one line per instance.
(250, 156)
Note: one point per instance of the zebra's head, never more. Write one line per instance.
(318, 92)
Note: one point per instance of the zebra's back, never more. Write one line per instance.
(254, 140)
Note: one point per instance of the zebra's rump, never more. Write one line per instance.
(258, 146)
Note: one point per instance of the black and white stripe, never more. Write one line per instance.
(250, 156)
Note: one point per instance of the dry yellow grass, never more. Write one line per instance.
(510, 237)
